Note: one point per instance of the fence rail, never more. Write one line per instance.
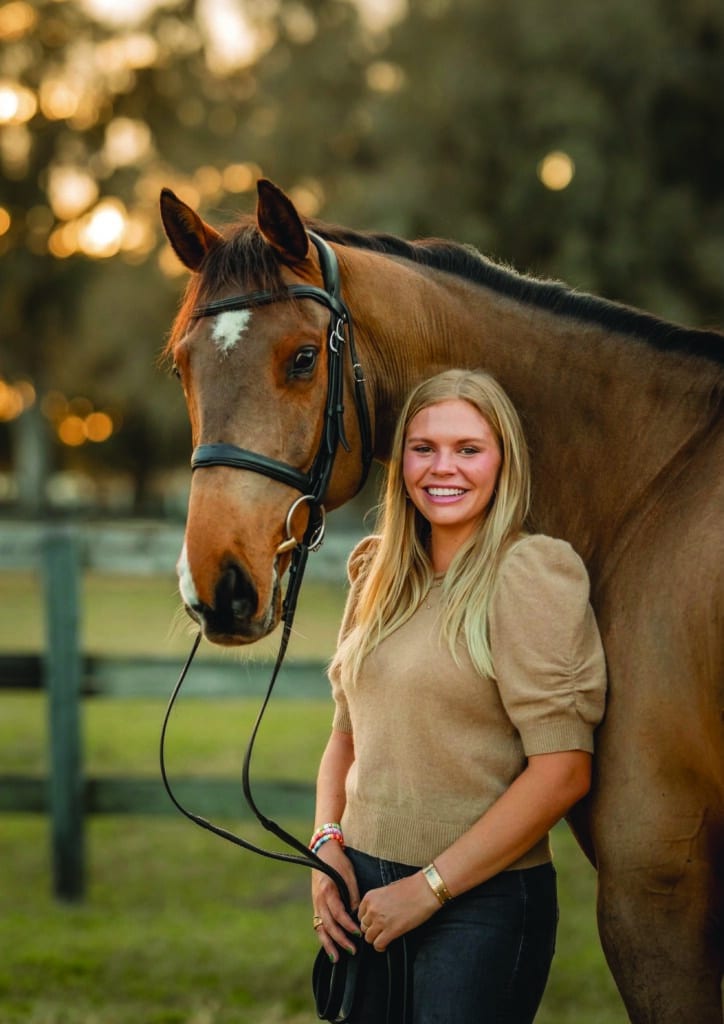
(218, 797)
(154, 677)
(62, 553)
(139, 547)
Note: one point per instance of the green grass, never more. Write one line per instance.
(179, 927)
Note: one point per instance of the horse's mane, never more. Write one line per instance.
(465, 261)
(245, 255)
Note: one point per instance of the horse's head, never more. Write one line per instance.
(255, 348)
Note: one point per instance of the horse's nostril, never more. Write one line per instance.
(235, 598)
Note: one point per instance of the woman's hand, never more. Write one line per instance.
(336, 924)
(395, 909)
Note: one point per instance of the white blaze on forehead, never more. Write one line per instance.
(229, 327)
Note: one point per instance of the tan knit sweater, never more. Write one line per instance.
(436, 744)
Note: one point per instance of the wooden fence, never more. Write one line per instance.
(61, 554)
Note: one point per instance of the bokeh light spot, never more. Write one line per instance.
(384, 76)
(98, 426)
(240, 177)
(71, 191)
(71, 431)
(16, 18)
(556, 170)
(101, 232)
(17, 104)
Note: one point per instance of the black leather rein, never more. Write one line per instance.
(312, 485)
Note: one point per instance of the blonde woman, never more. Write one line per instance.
(468, 681)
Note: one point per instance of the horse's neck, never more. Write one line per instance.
(606, 416)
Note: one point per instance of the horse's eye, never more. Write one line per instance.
(304, 361)
(176, 372)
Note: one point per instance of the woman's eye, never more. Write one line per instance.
(176, 372)
(469, 450)
(304, 361)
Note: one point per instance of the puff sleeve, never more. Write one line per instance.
(547, 652)
(357, 565)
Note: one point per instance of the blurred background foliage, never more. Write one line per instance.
(572, 139)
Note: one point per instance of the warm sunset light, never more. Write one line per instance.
(308, 195)
(17, 104)
(98, 426)
(58, 99)
(208, 180)
(384, 76)
(16, 18)
(556, 170)
(76, 427)
(138, 237)
(101, 232)
(63, 242)
(240, 177)
(15, 399)
(71, 431)
(127, 12)
(233, 40)
(128, 141)
(71, 191)
(11, 404)
(379, 15)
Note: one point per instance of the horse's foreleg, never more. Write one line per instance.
(659, 913)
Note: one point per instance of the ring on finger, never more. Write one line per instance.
(316, 922)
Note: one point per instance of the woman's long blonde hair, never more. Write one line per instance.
(400, 572)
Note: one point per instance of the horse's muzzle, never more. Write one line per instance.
(229, 620)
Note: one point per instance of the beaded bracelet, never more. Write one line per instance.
(329, 831)
(323, 839)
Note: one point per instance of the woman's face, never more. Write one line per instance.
(451, 461)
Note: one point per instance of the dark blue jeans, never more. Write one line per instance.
(481, 959)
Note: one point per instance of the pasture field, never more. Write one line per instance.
(179, 927)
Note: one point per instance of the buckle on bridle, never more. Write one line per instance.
(336, 336)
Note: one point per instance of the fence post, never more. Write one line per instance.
(63, 680)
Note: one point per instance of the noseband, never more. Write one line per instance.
(312, 484)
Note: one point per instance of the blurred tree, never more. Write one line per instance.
(97, 115)
(74, 161)
(574, 139)
(467, 100)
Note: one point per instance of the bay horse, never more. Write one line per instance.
(623, 415)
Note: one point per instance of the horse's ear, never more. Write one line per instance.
(279, 222)
(190, 237)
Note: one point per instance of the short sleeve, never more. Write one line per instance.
(547, 652)
(357, 566)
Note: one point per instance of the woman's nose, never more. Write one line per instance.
(443, 462)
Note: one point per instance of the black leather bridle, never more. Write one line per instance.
(313, 485)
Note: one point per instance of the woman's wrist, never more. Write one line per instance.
(435, 881)
(323, 834)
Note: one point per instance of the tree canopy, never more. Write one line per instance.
(575, 140)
